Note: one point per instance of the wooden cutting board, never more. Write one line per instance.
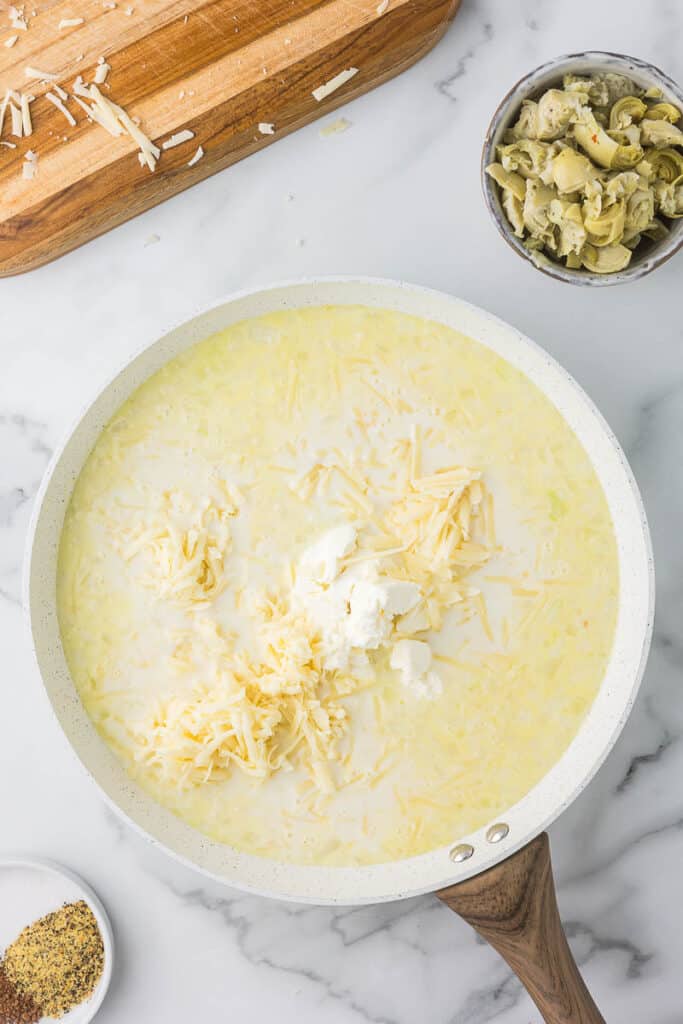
(215, 67)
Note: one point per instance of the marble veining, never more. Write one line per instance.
(397, 195)
(447, 86)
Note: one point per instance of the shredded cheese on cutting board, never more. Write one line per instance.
(335, 565)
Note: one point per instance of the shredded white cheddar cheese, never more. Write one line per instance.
(44, 76)
(79, 88)
(17, 18)
(186, 565)
(29, 169)
(91, 114)
(197, 157)
(17, 121)
(323, 91)
(251, 716)
(26, 123)
(102, 112)
(148, 150)
(3, 108)
(70, 23)
(101, 72)
(57, 102)
(177, 140)
(334, 128)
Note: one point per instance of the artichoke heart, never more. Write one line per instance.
(507, 180)
(567, 217)
(535, 211)
(608, 259)
(608, 227)
(618, 86)
(530, 158)
(557, 109)
(669, 198)
(514, 210)
(591, 91)
(629, 136)
(526, 126)
(664, 112)
(603, 89)
(640, 210)
(594, 196)
(625, 111)
(571, 171)
(660, 133)
(604, 150)
(645, 168)
(666, 164)
(623, 184)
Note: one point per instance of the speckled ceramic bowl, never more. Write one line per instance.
(649, 255)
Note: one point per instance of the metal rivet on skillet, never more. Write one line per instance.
(497, 832)
(461, 852)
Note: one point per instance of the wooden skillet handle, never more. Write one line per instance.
(513, 906)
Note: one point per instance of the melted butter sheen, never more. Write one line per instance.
(256, 405)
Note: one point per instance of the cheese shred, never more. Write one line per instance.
(325, 90)
(55, 100)
(177, 140)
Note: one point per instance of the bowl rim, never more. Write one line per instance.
(549, 797)
(522, 89)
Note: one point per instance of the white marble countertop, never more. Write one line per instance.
(398, 196)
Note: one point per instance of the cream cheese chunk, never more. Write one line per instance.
(321, 560)
(413, 660)
(354, 608)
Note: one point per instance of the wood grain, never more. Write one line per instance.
(237, 62)
(513, 906)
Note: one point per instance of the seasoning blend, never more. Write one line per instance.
(58, 960)
(56, 949)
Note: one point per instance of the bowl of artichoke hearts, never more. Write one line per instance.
(582, 168)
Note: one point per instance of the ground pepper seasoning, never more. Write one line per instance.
(16, 1008)
(57, 961)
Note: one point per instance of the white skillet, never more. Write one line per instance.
(468, 855)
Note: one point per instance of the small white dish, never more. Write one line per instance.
(29, 889)
(648, 256)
